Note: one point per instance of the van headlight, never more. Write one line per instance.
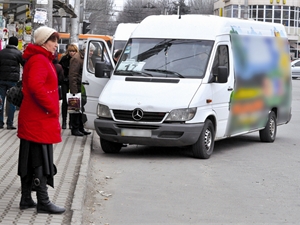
(103, 111)
(182, 114)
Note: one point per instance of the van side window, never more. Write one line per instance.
(221, 58)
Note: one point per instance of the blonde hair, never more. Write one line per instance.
(72, 47)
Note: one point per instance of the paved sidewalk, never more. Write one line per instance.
(71, 158)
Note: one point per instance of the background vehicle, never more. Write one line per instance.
(122, 35)
(295, 68)
(64, 39)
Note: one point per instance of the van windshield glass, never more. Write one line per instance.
(165, 58)
(119, 45)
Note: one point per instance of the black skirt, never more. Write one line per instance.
(32, 155)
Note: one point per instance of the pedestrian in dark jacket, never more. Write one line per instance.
(10, 61)
(59, 70)
(65, 62)
(38, 122)
(75, 75)
(59, 73)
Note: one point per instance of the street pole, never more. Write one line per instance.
(75, 23)
(48, 7)
(45, 6)
(50, 13)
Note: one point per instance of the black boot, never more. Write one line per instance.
(26, 199)
(64, 124)
(44, 205)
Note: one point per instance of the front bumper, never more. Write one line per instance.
(166, 134)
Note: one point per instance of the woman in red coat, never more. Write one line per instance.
(38, 122)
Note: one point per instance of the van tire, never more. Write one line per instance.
(110, 147)
(268, 134)
(204, 147)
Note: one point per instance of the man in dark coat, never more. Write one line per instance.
(10, 61)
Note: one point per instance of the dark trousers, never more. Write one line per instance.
(64, 104)
(4, 86)
(76, 121)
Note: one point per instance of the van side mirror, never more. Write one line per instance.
(102, 69)
(219, 75)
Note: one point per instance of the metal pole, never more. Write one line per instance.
(50, 13)
(75, 23)
(63, 25)
(48, 22)
(49, 8)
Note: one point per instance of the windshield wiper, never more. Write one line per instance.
(142, 73)
(132, 73)
(123, 72)
(166, 72)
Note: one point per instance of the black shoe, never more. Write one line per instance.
(85, 132)
(11, 128)
(77, 133)
(49, 208)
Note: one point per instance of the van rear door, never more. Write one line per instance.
(97, 50)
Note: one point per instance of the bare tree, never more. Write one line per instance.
(135, 11)
(201, 6)
(165, 6)
(100, 12)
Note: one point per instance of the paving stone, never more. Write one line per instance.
(69, 183)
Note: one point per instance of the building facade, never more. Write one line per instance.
(286, 12)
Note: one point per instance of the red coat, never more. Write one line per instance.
(39, 112)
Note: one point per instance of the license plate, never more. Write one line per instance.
(136, 133)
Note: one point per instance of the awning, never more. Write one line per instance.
(57, 4)
(15, 1)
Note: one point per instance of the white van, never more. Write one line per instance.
(210, 78)
(122, 34)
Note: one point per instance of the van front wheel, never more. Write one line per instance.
(268, 134)
(204, 147)
(109, 146)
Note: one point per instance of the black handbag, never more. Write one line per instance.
(14, 95)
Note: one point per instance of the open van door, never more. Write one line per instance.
(97, 51)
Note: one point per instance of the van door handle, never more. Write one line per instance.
(230, 89)
(85, 83)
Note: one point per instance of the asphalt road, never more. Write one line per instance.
(244, 182)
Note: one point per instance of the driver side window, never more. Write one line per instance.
(221, 58)
(97, 53)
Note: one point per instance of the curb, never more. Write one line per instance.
(80, 189)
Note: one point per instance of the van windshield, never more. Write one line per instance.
(165, 58)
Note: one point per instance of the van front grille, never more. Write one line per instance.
(126, 115)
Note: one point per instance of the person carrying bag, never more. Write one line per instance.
(75, 74)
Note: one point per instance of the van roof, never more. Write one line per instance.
(206, 27)
(124, 31)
